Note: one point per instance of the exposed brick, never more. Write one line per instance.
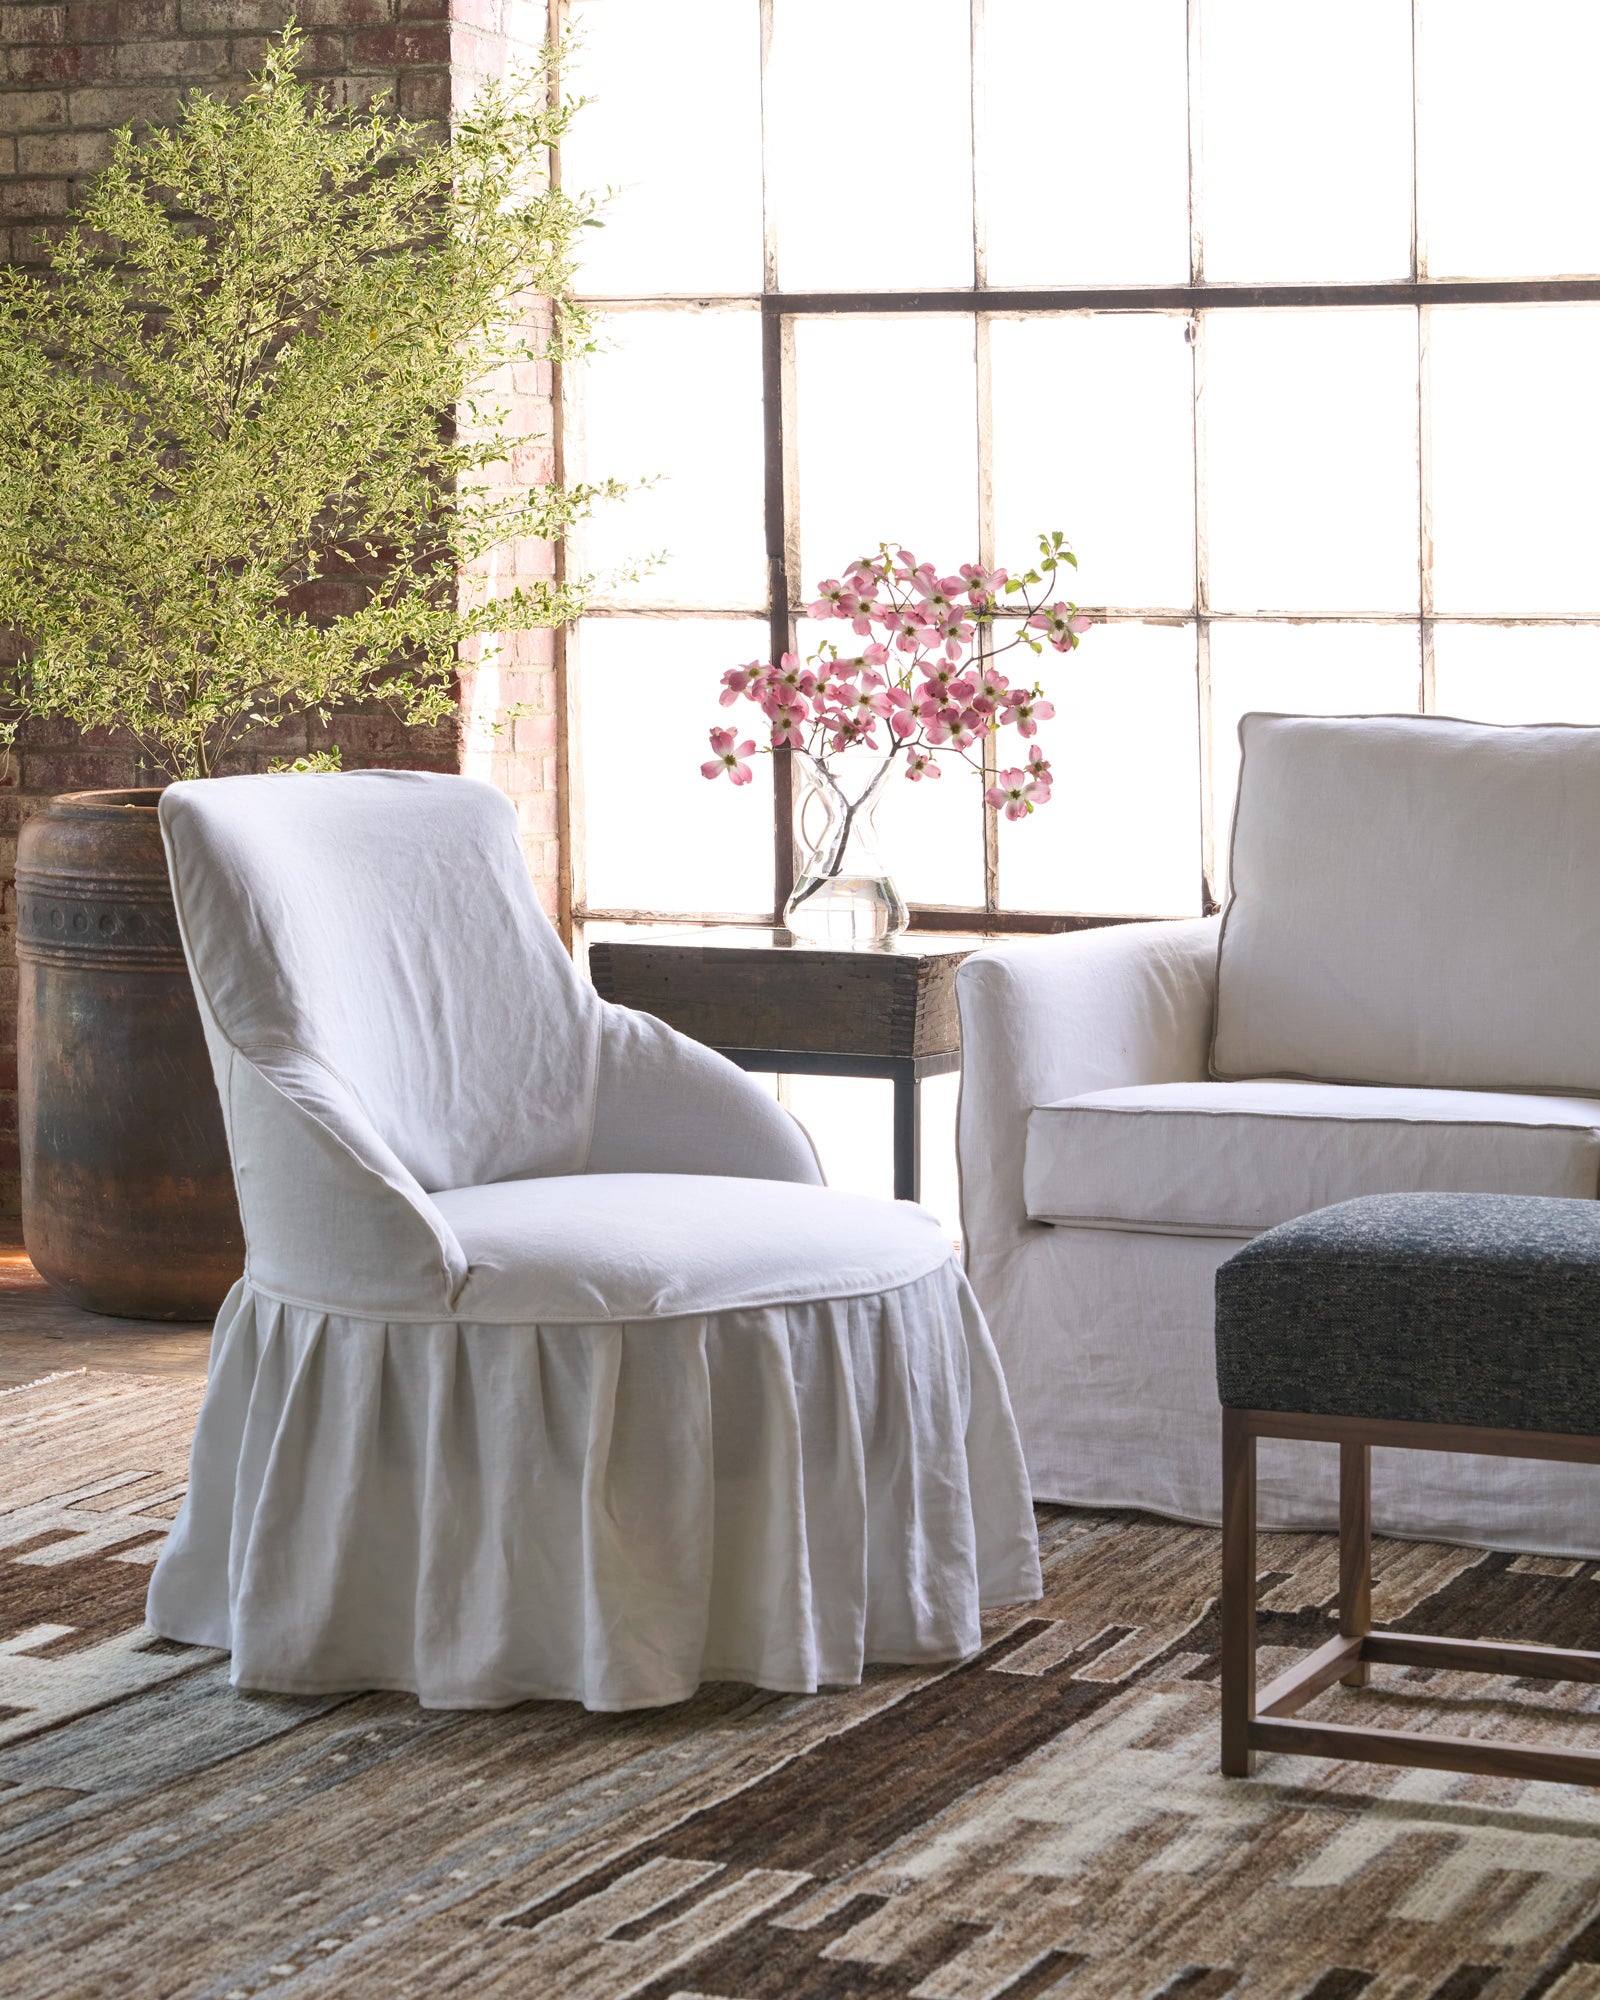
(31, 110)
(360, 93)
(534, 732)
(32, 24)
(350, 13)
(60, 62)
(109, 107)
(62, 152)
(425, 94)
(154, 60)
(213, 17)
(401, 48)
(118, 20)
(24, 200)
(73, 771)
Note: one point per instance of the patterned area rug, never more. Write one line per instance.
(1044, 1820)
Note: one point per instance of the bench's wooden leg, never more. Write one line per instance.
(1355, 1549)
(1238, 1609)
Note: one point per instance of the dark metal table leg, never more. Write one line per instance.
(907, 1132)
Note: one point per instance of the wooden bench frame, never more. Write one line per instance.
(1251, 1723)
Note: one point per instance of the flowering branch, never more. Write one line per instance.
(928, 674)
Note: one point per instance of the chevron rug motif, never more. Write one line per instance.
(1045, 1820)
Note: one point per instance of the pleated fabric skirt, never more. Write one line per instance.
(608, 1513)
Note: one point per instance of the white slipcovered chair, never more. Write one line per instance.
(555, 1370)
(1404, 995)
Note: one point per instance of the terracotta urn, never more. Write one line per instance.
(127, 1196)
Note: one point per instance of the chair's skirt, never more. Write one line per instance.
(611, 1513)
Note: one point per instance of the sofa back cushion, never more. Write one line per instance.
(1414, 901)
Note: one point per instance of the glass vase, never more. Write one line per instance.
(842, 893)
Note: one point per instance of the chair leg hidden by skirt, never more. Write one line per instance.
(1252, 1722)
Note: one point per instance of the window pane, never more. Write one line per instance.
(673, 397)
(674, 125)
(658, 836)
(870, 161)
(1094, 435)
(1508, 144)
(851, 1122)
(1300, 670)
(1307, 114)
(1121, 833)
(1311, 460)
(930, 834)
(1099, 195)
(1526, 673)
(886, 423)
(1516, 430)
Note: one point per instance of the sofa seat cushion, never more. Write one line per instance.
(1231, 1159)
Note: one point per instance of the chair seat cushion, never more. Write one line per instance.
(584, 1248)
(1229, 1159)
(1420, 1308)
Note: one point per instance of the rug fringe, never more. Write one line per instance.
(60, 1375)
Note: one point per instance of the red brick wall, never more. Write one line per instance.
(72, 73)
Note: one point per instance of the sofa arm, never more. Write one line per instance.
(1055, 1017)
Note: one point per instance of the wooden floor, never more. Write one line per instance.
(40, 1334)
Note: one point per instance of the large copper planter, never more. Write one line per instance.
(127, 1199)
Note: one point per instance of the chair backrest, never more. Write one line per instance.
(1414, 901)
(383, 924)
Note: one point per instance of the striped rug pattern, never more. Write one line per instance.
(1045, 1820)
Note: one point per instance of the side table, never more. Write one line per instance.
(771, 1002)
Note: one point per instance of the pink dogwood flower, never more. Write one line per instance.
(1026, 709)
(944, 681)
(991, 691)
(853, 729)
(983, 585)
(1015, 794)
(937, 720)
(922, 764)
(729, 757)
(911, 631)
(789, 678)
(742, 680)
(1061, 625)
(902, 720)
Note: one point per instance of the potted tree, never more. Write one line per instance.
(252, 452)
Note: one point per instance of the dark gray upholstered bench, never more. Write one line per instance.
(1437, 1322)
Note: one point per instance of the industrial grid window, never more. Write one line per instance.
(1286, 314)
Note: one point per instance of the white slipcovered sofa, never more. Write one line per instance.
(1403, 994)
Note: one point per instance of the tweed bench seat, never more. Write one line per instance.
(1446, 1322)
(1420, 1308)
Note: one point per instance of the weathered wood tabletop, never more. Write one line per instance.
(750, 988)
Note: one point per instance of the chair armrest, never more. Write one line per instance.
(667, 1105)
(1055, 1017)
(332, 1217)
